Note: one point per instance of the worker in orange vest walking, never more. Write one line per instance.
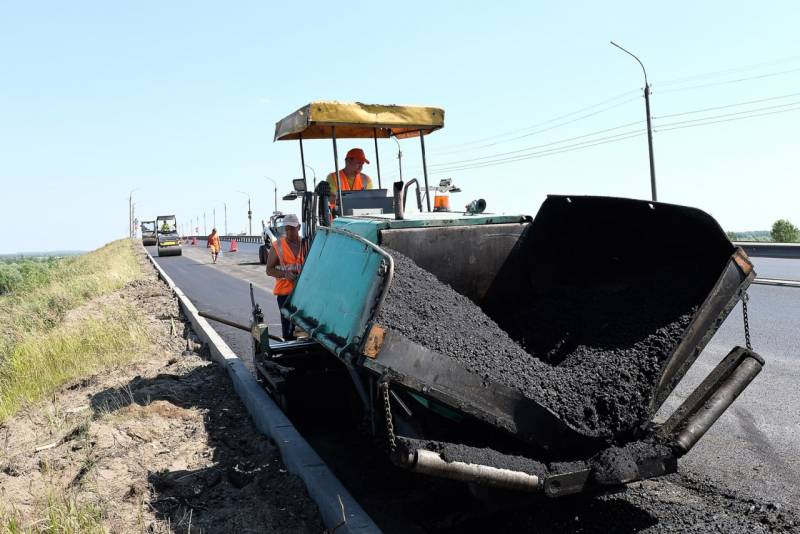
(351, 177)
(284, 263)
(213, 244)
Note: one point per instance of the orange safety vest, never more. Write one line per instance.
(287, 258)
(358, 185)
(213, 242)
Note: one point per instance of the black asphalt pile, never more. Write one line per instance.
(594, 357)
(620, 464)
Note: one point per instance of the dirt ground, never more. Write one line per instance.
(162, 445)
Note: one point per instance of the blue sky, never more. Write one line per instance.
(178, 100)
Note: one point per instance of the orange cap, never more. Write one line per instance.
(358, 154)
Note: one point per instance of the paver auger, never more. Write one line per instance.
(517, 352)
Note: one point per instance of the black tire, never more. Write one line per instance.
(262, 254)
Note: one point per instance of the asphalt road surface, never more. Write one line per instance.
(752, 452)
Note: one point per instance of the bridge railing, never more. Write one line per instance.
(238, 238)
(753, 248)
(770, 250)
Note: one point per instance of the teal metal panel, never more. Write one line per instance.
(343, 279)
(366, 228)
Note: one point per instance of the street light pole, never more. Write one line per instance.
(205, 226)
(399, 158)
(130, 212)
(224, 205)
(649, 125)
(275, 192)
(249, 213)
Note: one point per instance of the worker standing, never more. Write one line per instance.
(284, 263)
(213, 244)
(351, 177)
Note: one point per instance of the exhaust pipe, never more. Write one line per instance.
(399, 203)
(712, 397)
(431, 463)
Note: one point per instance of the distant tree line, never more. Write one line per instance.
(783, 231)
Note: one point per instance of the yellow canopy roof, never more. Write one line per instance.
(356, 120)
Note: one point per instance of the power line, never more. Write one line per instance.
(524, 150)
(551, 151)
(449, 148)
(695, 77)
(534, 151)
(730, 117)
(724, 115)
(700, 123)
(726, 82)
(726, 106)
(537, 132)
(534, 147)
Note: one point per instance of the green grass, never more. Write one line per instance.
(38, 353)
(58, 514)
(40, 303)
(36, 367)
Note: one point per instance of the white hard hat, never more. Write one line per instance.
(291, 220)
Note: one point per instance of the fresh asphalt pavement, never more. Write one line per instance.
(223, 289)
(753, 449)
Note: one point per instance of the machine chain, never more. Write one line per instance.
(745, 298)
(384, 386)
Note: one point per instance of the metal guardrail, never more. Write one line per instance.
(238, 238)
(770, 250)
(753, 248)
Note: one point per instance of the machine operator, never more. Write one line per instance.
(351, 177)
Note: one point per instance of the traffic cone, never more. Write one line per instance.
(194, 241)
(234, 246)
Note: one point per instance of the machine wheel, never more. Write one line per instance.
(262, 254)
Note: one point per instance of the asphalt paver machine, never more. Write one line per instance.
(622, 261)
(169, 242)
(149, 233)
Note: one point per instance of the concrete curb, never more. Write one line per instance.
(297, 454)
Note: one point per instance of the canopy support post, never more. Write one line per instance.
(377, 157)
(302, 158)
(425, 170)
(339, 204)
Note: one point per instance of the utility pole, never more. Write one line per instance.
(649, 125)
(275, 194)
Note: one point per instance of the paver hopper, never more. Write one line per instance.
(605, 250)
